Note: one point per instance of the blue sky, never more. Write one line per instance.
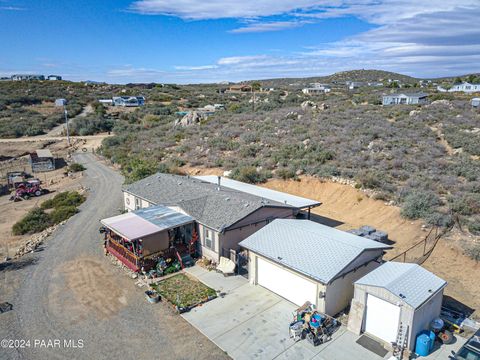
(186, 41)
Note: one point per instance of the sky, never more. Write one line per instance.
(192, 41)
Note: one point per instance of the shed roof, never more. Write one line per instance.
(410, 282)
(278, 196)
(44, 153)
(315, 250)
(210, 206)
(146, 221)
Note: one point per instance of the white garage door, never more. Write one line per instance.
(286, 284)
(382, 319)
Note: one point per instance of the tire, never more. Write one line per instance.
(446, 337)
(38, 193)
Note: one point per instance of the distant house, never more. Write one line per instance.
(27, 77)
(316, 88)
(54, 77)
(405, 99)
(60, 102)
(239, 89)
(475, 102)
(42, 160)
(461, 87)
(128, 101)
(106, 101)
(5, 78)
(352, 85)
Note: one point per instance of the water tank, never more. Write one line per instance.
(432, 337)
(422, 347)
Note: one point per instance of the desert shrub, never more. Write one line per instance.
(67, 198)
(62, 212)
(138, 169)
(419, 204)
(465, 204)
(248, 174)
(285, 173)
(36, 220)
(76, 167)
(474, 226)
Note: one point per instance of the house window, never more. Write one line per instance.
(208, 235)
(138, 203)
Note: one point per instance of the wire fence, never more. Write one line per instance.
(419, 252)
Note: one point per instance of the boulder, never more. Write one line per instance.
(192, 118)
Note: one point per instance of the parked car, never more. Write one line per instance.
(470, 350)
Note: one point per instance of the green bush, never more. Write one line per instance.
(419, 204)
(35, 221)
(76, 167)
(67, 198)
(62, 213)
(248, 174)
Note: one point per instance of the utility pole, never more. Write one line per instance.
(63, 102)
(66, 124)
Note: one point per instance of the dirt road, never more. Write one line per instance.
(71, 293)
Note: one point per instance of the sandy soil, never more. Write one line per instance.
(55, 181)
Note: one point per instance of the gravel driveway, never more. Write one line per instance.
(69, 301)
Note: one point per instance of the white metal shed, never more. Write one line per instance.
(396, 296)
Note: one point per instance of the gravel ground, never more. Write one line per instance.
(69, 301)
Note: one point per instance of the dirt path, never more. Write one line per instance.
(70, 291)
(59, 129)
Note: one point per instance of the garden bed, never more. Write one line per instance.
(184, 292)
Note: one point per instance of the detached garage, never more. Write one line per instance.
(301, 261)
(396, 296)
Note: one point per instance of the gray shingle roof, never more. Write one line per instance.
(214, 208)
(410, 282)
(316, 250)
(416, 94)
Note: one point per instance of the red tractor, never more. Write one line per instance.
(28, 189)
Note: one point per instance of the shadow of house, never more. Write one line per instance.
(324, 220)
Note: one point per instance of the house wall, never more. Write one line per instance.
(252, 223)
(339, 294)
(424, 315)
(212, 254)
(45, 165)
(155, 243)
(130, 201)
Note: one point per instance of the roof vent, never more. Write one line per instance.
(179, 183)
(228, 199)
(219, 178)
(402, 296)
(279, 258)
(246, 204)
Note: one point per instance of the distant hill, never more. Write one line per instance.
(341, 77)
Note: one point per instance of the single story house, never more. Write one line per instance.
(136, 238)
(393, 297)
(475, 102)
(42, 160)
(405, 98)
(27, 77)
(465, 87)
(317, 89)
(239, 88)
(54, 77)
(302, 260)
(225, 211)
(128, 101)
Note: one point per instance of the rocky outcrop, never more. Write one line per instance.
(192, 118)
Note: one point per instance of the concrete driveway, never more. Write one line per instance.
(250, 322)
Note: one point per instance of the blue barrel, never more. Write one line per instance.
(422, 347)
(432, 337)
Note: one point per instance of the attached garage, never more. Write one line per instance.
(285, 283)
(396, 296)
(302, 261)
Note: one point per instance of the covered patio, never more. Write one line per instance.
(141, 237)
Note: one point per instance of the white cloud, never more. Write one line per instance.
(258, 26)
(200, 67)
